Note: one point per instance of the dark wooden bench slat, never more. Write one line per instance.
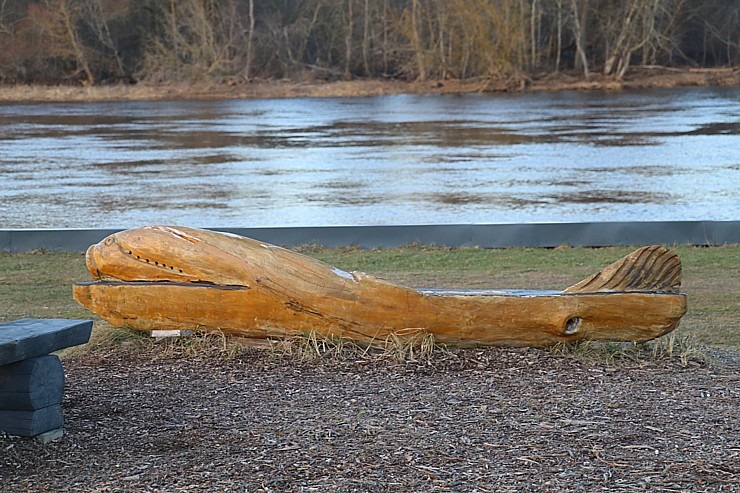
(32, 384)
(31, 423)
(31, 337)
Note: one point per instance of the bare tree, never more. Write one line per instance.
(58, 22)
(417, 41)
(622, 48)
(534, 23)
(366, 38)
(579, 25)
(93, 15)
(559, 29)
(216, 39)
(349, 31)
(645, 25)
(199, 39)
(247, 72)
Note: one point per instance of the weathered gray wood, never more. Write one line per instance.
(49, 436)
(31, 384)
(31, 423)
(31, 337)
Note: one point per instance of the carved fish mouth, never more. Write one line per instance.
(195, 284)
(102, 272)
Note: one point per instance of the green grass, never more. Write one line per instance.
(39, 284)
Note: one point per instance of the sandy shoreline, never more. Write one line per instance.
(644, 78)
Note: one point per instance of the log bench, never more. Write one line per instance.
(32, 379)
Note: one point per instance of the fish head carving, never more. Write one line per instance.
(164, 253)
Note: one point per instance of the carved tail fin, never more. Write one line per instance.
(651, 268)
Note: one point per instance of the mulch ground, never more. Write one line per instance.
(470, 420)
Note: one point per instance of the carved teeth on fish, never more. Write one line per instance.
(156, 262)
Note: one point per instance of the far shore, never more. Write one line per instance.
(638, 78)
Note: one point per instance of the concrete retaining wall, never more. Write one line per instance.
(482, 235)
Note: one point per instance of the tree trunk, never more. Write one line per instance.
(250, 38)
(74, 42)
(559, 45)
(366, 39)
(95, 18)
(348, 40)
(420, 63)
(533, 22)
(635, 32)
(579, 27)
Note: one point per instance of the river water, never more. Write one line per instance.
(406, 159)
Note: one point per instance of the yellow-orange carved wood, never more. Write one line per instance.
(161, 277)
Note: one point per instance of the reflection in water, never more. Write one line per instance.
(653, 155)
(722, 128)
(612, 197)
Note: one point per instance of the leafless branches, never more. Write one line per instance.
(97, 40)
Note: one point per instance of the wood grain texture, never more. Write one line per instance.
(32, 384)
(31, 423)
(651, 268)
(182, 278)
(31, 337)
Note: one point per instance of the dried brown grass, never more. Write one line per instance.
(409, 346)
(682, 349)
(637, 78)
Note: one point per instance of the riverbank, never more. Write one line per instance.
(642, 78)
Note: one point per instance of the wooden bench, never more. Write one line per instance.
(32, 379)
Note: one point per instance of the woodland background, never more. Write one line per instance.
(105, 41)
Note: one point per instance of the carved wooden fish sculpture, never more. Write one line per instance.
(161, 277)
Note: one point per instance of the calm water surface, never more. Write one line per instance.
(566, 157)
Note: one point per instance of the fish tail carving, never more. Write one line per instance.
(651, 268)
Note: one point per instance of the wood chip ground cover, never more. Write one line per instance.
(468, 420)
